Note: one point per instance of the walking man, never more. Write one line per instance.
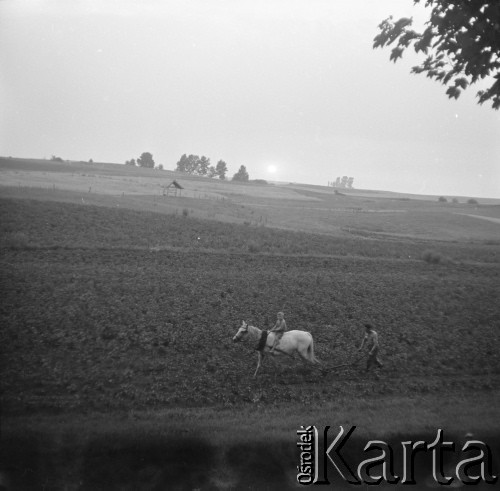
(371, 341)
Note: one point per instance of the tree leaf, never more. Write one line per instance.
(396, 53)
(453, 92)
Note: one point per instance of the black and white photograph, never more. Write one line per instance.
(249, 245)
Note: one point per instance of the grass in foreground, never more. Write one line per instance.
(373, 417)
(245, 447)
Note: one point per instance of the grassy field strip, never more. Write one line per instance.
(490, 219)
(385, 195)
(42, 222)
(118, 184)
(373, 417)
(331, 209)
(339, 217)
(244, 253)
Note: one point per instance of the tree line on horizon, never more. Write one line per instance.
(194, 165)
(145, 160)
(343, 182)
(201, 166)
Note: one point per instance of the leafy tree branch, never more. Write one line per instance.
(461, 41)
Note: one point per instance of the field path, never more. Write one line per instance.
(489, 219)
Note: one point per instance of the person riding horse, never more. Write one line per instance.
(292, 342)
(278, 329)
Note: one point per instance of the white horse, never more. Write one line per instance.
(300, 342)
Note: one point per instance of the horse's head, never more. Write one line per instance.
(241, 332)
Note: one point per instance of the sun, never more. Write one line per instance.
(271, 168)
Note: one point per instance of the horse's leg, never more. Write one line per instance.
(307, 355)
(276, 365)
(258, 363)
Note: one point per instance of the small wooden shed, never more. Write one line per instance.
(172, 188)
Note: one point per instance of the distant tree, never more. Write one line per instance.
(160, 167)
(56, 159)
(337, 182)
(442, 199)
(193, 164)
(203, 165)
(182, 165)
(130, 162)
(350, 182)
(221, 169)
(146, 160)
(241, 175)
(462, 41)
(343, 182)
(472, 201)
(188, 164)
(91, 161)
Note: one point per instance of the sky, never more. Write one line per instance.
(292, 89)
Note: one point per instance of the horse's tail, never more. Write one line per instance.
(310, 353)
